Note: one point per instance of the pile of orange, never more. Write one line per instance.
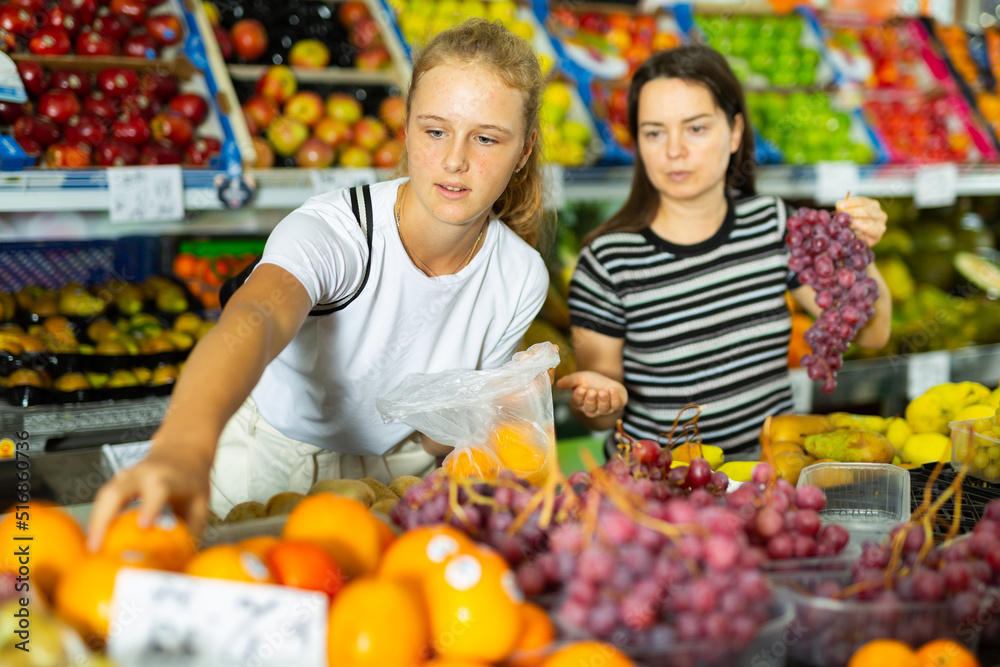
(513, 445)
(893, 653)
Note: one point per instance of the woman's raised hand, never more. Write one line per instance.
(594, 395)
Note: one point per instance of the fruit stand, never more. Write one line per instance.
(867, 534)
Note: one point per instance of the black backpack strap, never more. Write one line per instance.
(367, 224)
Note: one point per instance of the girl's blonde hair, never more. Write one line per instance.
(481, 42)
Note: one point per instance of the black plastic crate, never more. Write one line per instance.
(975, 494)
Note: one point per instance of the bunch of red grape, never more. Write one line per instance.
(829, 258)
(645, 469)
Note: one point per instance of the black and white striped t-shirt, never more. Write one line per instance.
(704, 323)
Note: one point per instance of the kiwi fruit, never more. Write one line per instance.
(402, 483)
(382, 492)
(250, 509)
(384, 505)
(283, 503)
(349, 488)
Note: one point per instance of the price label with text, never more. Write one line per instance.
(327, 180)
(162, 619)
(146, 194)
(834, 180)
(927, 370)
(935, 185)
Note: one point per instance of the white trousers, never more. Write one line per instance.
(254, 461)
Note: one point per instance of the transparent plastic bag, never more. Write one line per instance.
(496, 420)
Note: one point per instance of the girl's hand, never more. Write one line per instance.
(594, 395)
(867, 218)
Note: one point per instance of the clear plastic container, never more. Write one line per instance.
(828, 632)
(981, 451)
(867, 499)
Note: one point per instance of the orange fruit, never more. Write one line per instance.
(166, 543)
(57, 543)
(228, 561)
(376, 623)
(945, 653)
(343, 527)
(83, 595)
(472, 462)
(305, 565)
(587, 653)
(412, 555)
(522, 448)
(537, 632)
(884, 653)
(448, 662)
(474, 607)
(259, 544)
(385, 534)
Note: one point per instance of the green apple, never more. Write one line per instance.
(576, 132)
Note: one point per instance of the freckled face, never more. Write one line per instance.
(464, 137)
(685, 139)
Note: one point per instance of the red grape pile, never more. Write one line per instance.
(644, 468)
(828, 257)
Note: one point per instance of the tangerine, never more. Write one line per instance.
(472, 462)
(587, 653)
(228, 561)
(56, 545)
(412, 555)
(884, 653)
(474, 606)
(385, 533)
(166, 543)
(305, 565)
(449, 662)
(83, 594)
(343, 527)
(537, 632)
(376, 622)
(259, 544)
(522, 450)
(945, 653)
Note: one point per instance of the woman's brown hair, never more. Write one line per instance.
(512, 60)
(693, 63)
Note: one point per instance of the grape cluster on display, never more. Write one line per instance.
(826, 256)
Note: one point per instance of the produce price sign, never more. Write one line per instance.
(335, 178)
(146, 194)
(162, 619)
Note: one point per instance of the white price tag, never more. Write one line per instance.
(927, 370)
(162, 619)
(146, 194)
(802, 390)
(935, 185)
(327, 180)
(834, 180)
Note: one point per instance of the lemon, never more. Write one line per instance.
(924, 448)
(714, 455)
(898, 431)
(977, 411)
(739, 471)
(925, 414)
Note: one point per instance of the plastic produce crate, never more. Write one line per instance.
(975, 494)
(867, 499)
(981, 451)
(53, 264)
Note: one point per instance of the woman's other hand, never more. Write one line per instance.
(594, 395)
(868, 220)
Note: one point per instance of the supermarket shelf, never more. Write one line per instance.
(344, 75)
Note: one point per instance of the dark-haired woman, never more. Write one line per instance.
(680, 296)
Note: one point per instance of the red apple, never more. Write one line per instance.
(86, 129)
(139, 102)
(305, 106)
(369, 133)
(249, 38)
(314, 154)
(112, 26)
(116, 82)
(374, 57)
(34, 77)
(171, 129)
(165, 28)
(157, 153)
(265, 154)
(225, 42)
(30, 146)
(17, 20)
(141, 45)
(161, 87)
(64, 155)
(261, 111)
(351, 12)
(388, 154)
(277, 84)
(75, 80)
(355, 156)
(333, 132)
(59, 105)
(392, 112)
(343, 107)
(287, 136)
(365, 33)
(309, 53)
(85, 11)
(112, 153)
(33, 6)
(90, 43)
(190, 105)
(61, 17)
(133, 10)
(10, 112)
(131, 128)
(8, 41)
(36, 128)
(98, 104)
(50, 41)
(200, 151)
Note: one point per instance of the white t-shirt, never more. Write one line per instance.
(322, 388)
